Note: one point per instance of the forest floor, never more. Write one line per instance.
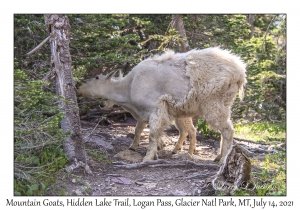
(107, 146)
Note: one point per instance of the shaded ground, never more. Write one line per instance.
(108, 142)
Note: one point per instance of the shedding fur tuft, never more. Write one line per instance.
(168, 55)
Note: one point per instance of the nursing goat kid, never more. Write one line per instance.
(177, 86)
(184, 125)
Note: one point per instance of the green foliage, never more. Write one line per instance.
(97, 155)
(205, 131)
(37, 137)
(261, 131)
(38, 153)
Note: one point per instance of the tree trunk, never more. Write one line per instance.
(177, 23)
(251, 22)
(58, 27)
(194, 31)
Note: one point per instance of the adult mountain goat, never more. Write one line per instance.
(177, 86)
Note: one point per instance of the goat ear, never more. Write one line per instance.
(110, 74)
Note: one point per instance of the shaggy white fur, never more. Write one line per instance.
(196, 83)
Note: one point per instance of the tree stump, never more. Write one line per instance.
(234, 171)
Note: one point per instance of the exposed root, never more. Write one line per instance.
(259, 150)
(199, 176)
(76, 165)
(164, 163)
(244, 150)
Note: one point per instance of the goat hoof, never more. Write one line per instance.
(218, 158)
(160, 146)
(130, 148)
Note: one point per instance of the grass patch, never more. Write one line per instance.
(98, 156)
(261, 131)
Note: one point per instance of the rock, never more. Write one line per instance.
(130, 156)
(196, 192)
(175, 140)
(177, 192)
(148, 185)
(164, 153)
(122, 141)
(74, 180)
(185, 156)
(139, 189)
(203, 148)
(147, 130)
(217, 144)
(199, 137)
(132, 135)
(97, 193)
(100, 142)
(104, 135)
(121, 180)
(77, 192)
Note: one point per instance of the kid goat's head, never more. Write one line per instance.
(93, 88)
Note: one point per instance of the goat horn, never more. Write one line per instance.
(111, 74)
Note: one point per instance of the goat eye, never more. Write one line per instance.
(97, 77)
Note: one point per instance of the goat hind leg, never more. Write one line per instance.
(226, 141)
(138, 130)
(192, 135)
(180, 124)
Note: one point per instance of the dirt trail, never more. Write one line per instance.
(107, 144)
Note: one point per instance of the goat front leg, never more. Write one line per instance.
(138, 131)
(192, 135)
(226, 141)
(185, 127)
(180, 124)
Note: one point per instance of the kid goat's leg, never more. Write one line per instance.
(138, 131)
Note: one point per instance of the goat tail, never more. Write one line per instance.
(241, 84)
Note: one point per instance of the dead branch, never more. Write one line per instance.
(164, 163)
(244, 150)
(93, 130)
(247, 140)
(38, 47)
(76, 165)
(259, 150)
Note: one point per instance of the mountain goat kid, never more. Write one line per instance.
(177, 86)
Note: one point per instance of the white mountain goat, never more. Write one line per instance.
(184, 125)
(177, 86)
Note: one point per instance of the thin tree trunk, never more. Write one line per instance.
(194, 31)
(58, 27)
(251, 22)
(177, 23)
